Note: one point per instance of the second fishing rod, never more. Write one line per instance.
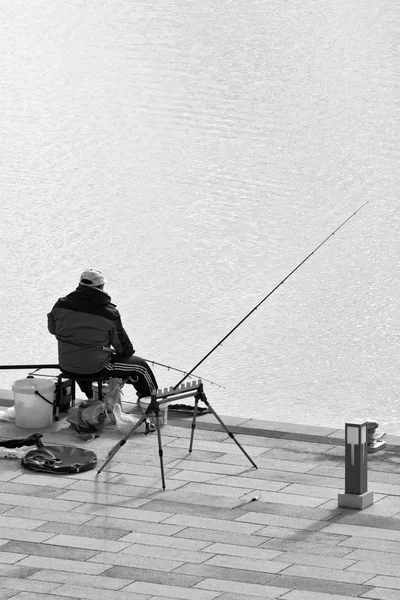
(268, 295)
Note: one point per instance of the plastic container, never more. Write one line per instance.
(105, 390)
(163, 412)
(32, 411)
(65, 391)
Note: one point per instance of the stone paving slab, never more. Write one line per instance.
(283, 521)
(307, 547)
(383, 594)
(5, 594)
(225, 537)
(26, 585)
(106, 560)
(9, 558)
(308, 595)
(311, 537)
(96, 581)
(119, 536)
(174, 578)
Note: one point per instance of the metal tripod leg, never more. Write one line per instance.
(123, 441)
(153, 408)
(160, 450)
(201, 396)
(196, 403)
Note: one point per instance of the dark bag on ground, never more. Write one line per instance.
(59, 459)
(32, 440)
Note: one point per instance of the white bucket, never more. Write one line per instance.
(163, 413)
(105, 390)
(32, 411)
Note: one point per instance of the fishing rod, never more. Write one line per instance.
(53, 366)
(153, 362)
(17, 367)
(268, 295)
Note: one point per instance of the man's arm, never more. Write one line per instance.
(51, 326)
(122, 343)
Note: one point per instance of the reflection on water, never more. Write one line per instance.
(197, 152)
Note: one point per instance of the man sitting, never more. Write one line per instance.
(86, 323)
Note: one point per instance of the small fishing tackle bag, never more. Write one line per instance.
(88, 418)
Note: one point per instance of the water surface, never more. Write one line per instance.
(197, 152)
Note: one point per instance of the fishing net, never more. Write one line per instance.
(59, 459)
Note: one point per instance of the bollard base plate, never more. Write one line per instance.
(355, 501)
(376, 445)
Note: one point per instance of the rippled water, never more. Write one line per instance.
(197, 152)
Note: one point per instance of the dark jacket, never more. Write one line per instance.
(83, 322)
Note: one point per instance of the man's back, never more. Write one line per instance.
(83, 322)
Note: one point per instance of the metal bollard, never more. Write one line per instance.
(356, 467)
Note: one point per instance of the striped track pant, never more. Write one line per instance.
(133, 369)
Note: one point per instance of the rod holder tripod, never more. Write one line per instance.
(184, 391)
(200, 396)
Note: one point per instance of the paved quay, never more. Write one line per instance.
(119, 536)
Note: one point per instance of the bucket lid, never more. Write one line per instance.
(30, 384)
(22, 384)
